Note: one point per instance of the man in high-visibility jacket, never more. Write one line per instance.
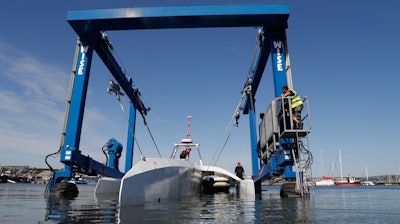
(296, 104)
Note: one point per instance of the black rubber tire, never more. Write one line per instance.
(65, 189)
(288, 190)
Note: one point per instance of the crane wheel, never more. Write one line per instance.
(288, 190)
(65, 189)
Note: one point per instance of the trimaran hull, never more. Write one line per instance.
(162, 179)
(157, 179)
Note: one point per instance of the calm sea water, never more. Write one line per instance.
(25, 203)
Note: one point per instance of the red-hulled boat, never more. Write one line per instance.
(348, 181)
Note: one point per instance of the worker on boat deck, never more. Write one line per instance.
(296, 104)
(239, 170)
(185, 153)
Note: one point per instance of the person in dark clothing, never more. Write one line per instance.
(239, 170)
(185, 153)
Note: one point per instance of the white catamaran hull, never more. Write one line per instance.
(108, 185)
(156, 179)
(325, 183)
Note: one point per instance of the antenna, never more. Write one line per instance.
(188, 132)
(187, 139)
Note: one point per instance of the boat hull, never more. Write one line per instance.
(345, 183)
(325, 183)
(214, 184)
(349, 181)
(156, 179)
(367, 183)
(108, 185)
(245, 187)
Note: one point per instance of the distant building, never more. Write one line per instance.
(25, 174)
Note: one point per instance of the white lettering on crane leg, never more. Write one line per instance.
(82, 61)
(279, 64)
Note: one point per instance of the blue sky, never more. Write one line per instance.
(344, 57)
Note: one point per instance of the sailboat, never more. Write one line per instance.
(349, 181)
(367, 182)
(325, 180)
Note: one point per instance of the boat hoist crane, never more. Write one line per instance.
(280, 150)
(277, 151)
(70, 154)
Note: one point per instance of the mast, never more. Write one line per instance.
(340, 164)
(188, 131)
(322, 164)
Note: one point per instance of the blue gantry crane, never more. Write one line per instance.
(279, 149)
(70, 153)
(275, 148)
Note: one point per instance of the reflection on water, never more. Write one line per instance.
(25, 203)
(274, 209)
(220, 208)
(83, 209)
(217, 208)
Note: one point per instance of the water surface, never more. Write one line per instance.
(25, 203)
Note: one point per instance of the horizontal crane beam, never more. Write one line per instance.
(87, 23)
